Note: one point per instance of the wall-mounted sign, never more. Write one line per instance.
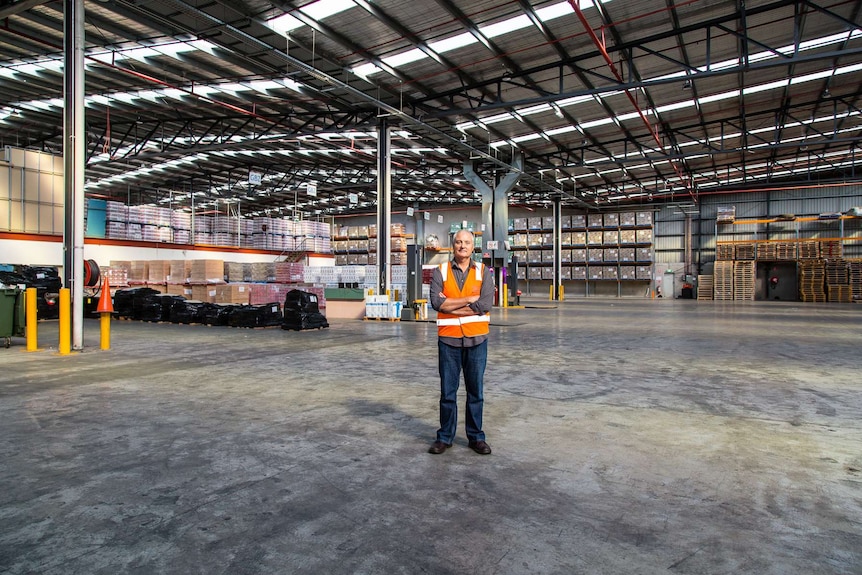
(427, 215)
(409, 212)
(254, 178)
(492, 245)
(440, 219)
(311, 189)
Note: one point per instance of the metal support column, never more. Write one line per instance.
(384, 202)
(73, 163)
(495, 213)
(558, 268)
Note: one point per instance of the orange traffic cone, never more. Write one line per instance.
(106, 305)
(105, 309)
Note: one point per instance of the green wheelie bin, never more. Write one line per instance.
(11, 314)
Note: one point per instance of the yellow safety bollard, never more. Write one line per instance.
(505, 295)
(65, 321)
(551, 292)
(30, 317)
(562, 292)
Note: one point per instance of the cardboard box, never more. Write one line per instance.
(206, 271)
(179, 271)
(203, 292)
(234, 271)
(138, 272)
(232, 293)
(179, 289)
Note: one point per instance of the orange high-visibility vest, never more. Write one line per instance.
(449, 325)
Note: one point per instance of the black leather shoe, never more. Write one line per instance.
(480, 447)
(439, 447)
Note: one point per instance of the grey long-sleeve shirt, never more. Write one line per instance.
(481, 306)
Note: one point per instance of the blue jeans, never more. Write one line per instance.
(452, 361)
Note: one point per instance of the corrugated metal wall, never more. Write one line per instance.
(800, 202)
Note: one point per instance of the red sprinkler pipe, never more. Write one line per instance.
(601, 47)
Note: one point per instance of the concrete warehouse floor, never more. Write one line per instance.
(629, 436)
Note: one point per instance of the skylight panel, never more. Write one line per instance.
(506, 26)
(174, 93)
(526, 138)
(319, 10)
(596, 123)
(718, 97)
(140, 54)
(555, 11)
(366, 70)
(405, 57)
(676, 106)
(560, 130)
(764, 87)
(453, 43)
(325, 8)
(284, 24)
(263, 85)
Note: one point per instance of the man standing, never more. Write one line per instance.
(462, 292)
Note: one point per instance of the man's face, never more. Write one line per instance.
(463, 245)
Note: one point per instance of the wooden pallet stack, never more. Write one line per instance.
(743, 280)
(809, 250)
(724, 252)
(723, 281)
(838, 281)
(744, 251)
(830, 250)
(785, 250)
(856, 279)
(705, 286)
(812, 276)
(767, 251)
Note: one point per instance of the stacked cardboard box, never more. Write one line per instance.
(158, 271)
(232, 293)
(138, 272)
(179, 271)
(206, 272)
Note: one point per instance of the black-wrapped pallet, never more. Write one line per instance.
(187, 311)
(128, 302)
(301, 311)
(217, 314)
(266, 315)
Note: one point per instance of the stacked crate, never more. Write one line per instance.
(743, 280)
(811, 281)
(767, 251)
(838, 281)
(830, 250)
(856, 279)
(723, 281)
(744, 251)
(724, 252)
(705, 287)
(809, 250)
(785, 250)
